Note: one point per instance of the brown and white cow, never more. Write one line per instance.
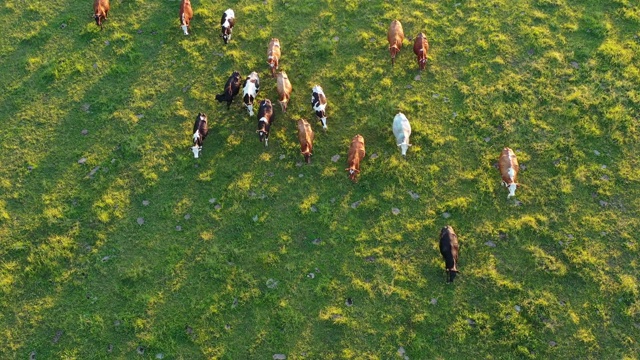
(186, 13)
(356, 153)
(273, 55)
(227, 22)
(395, 37)
(250, 91)
(265, 119)
(420, 48)
(319, 104)
(284, 90)
(508, 164)
(305, 136)
(100, 11)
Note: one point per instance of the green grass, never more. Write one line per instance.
(556, 80)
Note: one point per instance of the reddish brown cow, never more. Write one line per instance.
(395, 37)
(420, 48)
(186, 13)
(305, 136)
(509, 168)
(284, 90)
(100, 11)
(273, 55)
(356, 153)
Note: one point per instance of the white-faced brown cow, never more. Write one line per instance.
(186, 13)
(265, 119)
(305, 136)
(200, 131)
(420, 48)
(509, 168)
(226, 24)
(100, 11)
(395, 37)
(273, 55)
(449, 249)
(356, 153)
(250, 91)
(231, 89)
(319, 104)
(402, 131)
(284, 90)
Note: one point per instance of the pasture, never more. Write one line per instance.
(116, 243)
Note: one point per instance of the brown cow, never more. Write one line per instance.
(305, 136)
(273, 55)
(395, 37)
(356, 153)
(420, 48)
(186, 13)
(509, 168)
(100, 11)
(284, 90)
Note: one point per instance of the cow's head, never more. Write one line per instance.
(196, 151)
(98, 18)
(393, 49)
(307, 156)
(197, 143)
(353, 173)
(422, 62)
(263, 130)
(512, 189)
(226, 34)
(250, 106)
(184, 25)
(451, 274)
(403, 148)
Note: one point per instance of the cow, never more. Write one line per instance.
(231, 89)
(420, 48)
(186, 13)
(395, 37)
(200, 131)
(356, 153)
(402, 131)
(265, 119)
(250, 91)
(273, 55)
(305, 136)
(284, 90)
(100, 11)
(319, 104)
(449, 249)
(508, 164)
(226, 23)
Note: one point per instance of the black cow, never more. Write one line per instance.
(231, 89)
(449, 249)
(200, 131)
(265, 119)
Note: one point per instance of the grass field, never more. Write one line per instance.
(116, 243)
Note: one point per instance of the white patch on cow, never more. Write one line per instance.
(196, 151)
(230, 14)
(324, 122)
(184, 28)
(320, 107)
(351, 171)
(196, 135)
(512, 173)
(512, 190)
(263, 119)
(250, 109)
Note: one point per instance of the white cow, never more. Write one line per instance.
(402, 131)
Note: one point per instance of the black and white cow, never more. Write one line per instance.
(231, 89)
(449, 249)
(250, 91)
(200, 131)
(319, 104)
(265, 119)
(226, 23)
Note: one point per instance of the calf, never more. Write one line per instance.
(231, 89)
(250, 91)
(186, 13)
(449, 249)
(200, 131)
(420, 48)
(395, 37)
(402, 131)
(265, 119)
(284, 90)
(305, 136)
(356, 153)
(273, 55)
(226, 23)
(100, 11)
(319, 104)
(509, 168)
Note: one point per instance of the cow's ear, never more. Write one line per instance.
(347, 169)
(410, 144)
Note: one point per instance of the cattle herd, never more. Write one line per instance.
(508, 163)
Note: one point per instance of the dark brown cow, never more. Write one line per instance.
(395, 37)
(305, 136)
(273, 55)
(231, 89)
(356, 153)
(186, 13)
(284, 90)
(100, 11)
(509, 168)
(420, 48)
(449, 249)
